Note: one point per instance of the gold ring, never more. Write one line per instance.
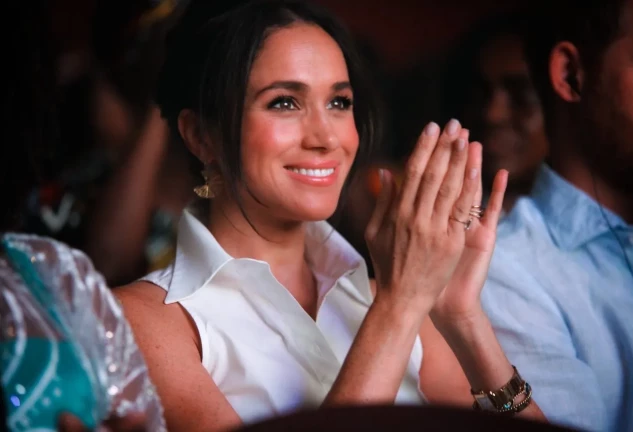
(477, 211)
(467, 224)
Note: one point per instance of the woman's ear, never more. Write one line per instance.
(190, 132)
(566, 72)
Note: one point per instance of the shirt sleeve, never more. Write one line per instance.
(127, 377)
(532, 330)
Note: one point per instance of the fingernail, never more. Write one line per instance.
(460, 144)
(431, 129)
(381, 175)
(452, 127)
(473, 173)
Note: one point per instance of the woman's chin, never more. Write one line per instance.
(315, 216)
(314, 213)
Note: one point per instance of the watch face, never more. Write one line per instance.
(485, 403)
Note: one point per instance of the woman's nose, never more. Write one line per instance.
(320, 132)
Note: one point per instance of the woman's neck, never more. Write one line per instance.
(280, 244)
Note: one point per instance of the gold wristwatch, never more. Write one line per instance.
(503, 400)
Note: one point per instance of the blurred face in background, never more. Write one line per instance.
(505, 113)
(606, 109)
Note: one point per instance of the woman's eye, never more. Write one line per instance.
(283, 103)
(341, 103)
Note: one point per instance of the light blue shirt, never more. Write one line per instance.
(560, 296)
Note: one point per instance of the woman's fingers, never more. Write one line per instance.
(69, 423)
(383, 203)
(133, 422)
(453, 180)
(461, 209)
(480, 188)
(417, 164)
(435, 172)
(406, 238)
(479, 193)
(495, 203)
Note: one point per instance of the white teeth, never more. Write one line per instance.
(313, 172)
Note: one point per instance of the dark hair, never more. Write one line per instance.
(208, 63)
(591, 25)
(28, 104)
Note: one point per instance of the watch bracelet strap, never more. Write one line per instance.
(502, 400)
(525, 402)
(514, 409)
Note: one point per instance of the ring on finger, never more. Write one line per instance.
(477, 211)
(467, 224)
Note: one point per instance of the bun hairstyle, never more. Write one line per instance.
(208, 59)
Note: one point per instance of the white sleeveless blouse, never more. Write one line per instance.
(265, 353)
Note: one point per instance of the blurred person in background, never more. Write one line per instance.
(67, 354)
(114, 153)
(490, 86)
(560, 287)
(131, 226)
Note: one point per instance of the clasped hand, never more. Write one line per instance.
(425, 258)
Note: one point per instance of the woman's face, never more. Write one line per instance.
(299, 138)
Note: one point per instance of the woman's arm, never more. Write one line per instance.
(461, 350)
(171, 347)
(376, 363)
(412, 238)
(464, 357)
(193, 402)
(482, 359)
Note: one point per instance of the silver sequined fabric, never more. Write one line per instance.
(95, 317)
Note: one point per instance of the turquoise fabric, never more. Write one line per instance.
(64, 342)
(46, 375)
(47, 381)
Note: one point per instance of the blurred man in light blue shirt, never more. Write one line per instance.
(560, 287)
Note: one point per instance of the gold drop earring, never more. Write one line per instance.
(212, 182)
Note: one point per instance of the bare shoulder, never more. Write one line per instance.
(144, 307)
(142, 296)
(145, 302)
(170, 343)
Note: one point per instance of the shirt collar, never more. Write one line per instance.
(573, 217)
(199, 257)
